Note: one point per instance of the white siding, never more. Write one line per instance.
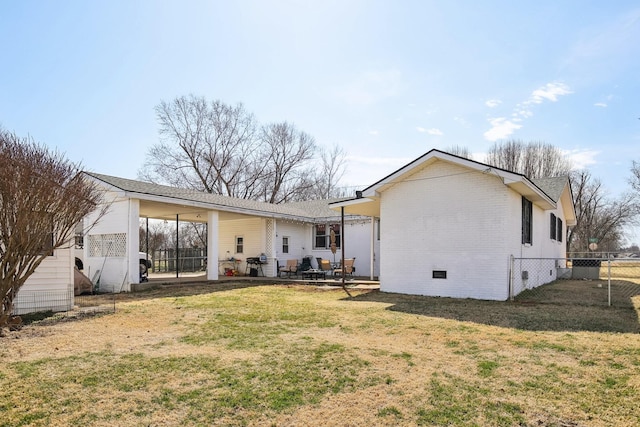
(50, 287)
(253, 233)
(357, 237)
(113, 270)
(544, 256)
(446, 217)
(300, 242)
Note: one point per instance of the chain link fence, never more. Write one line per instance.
(610, 281)
(63, 303)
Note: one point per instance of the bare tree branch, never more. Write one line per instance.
(534, 159)
(42, 199)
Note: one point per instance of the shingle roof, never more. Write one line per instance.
(317, 208)
(311, 211)
(552, 187)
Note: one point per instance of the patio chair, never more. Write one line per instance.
(324, 264)
(290, 269)
(348, 267)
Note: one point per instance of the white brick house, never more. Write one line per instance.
(450, 225)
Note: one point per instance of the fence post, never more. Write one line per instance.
(609, 280)
(511, 277)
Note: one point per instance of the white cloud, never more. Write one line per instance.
(600, 104)
(550, 92)
(374, 132)
(522, 112)
(500, 128)
(492, 103)
(421, 129)
(581, 159)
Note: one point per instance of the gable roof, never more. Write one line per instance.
(544, 192)
(559, 189)
(310, 211)
(552, 186)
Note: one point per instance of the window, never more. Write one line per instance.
(285, 245)
(552, 226)
(336, 231)
(239, 244)
(79, 241)
(559, 231)
(322, 235)
(527, 221)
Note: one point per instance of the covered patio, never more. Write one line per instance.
(111, 255)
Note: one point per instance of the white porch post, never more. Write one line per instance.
(372, 251)
(212, 245)
(271, 243)
(133, 243)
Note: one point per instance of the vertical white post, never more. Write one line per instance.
(511, 260)
(133, 243)
(212, 245)
(372, 254)
(271, 269)
(609, 280)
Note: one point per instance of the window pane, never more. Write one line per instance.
(527, 211)
(552, 227)
(336, 230)
(320, 241)
(559, 232)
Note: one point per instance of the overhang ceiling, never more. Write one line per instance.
(168, 211)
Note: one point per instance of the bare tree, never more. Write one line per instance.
(534, 159)
(157, 234)
(217, 148)
(206, 146)
(635, 177)
(598, 217)
(287, 175)
(42, 199)
(460, 151)
(328, 175)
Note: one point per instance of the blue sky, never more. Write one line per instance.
(386, 80)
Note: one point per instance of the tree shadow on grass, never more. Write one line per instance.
(528, 315)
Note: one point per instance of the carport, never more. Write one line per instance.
(112, 246)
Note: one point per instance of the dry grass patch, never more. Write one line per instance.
(291, 355)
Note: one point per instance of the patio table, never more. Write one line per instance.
(314, 274)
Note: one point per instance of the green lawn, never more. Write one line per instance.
(295, 355)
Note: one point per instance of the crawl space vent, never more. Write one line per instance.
(439, 274)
